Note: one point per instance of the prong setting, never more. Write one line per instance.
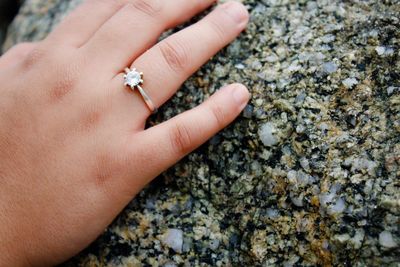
(133, 78)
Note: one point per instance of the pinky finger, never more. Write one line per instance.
(163, 145)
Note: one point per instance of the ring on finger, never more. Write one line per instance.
(134, 79)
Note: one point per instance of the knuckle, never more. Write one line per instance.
(149, 7)
(34, 57)
(90, 119)
(22, 49)
(104, 169)
(218, 29)
(65, 83)
(219, 115)
(181, 139)
(175, 54)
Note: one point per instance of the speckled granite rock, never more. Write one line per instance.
(8, 9)
(308, 175)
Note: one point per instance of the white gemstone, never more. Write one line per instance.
(133, 78)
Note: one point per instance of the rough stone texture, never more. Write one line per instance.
(325, 80)
(8, 9)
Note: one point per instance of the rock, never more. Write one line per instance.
(268, 75)
(297, 200)
(343, 238)
(325, 108)
(267, 134)
(259, 246)
(8, 9)
(173, 238)
(384, 51)
(358, 238)
(338, 207)
(248, 111)
(380, 50)
(187, 244)
(272, 213)
(386, 240)
(349, 82)
(329, 67)
(214, 244)
(328, 38)
(391, 89)
(305, 164)
(361, 164)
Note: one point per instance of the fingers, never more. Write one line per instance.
(134, 28)
(169, 63)
(15, 54)
(77, 28)
(163, 145)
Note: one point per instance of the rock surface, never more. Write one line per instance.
(8, 9)
(308, 175)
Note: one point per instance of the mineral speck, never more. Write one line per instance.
(267, 134)
(329, 67)
(349, 82)
(173, 238)
(386, 240)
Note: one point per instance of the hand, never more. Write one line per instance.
(73, 148)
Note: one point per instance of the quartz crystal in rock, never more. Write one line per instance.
(386, 240)
(173, 238)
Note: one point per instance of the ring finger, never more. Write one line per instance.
(169, 63)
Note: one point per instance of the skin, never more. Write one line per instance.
(73, 147)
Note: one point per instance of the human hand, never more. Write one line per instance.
(73, 148)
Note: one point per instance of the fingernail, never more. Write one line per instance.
(241, 95)
(236, 10)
